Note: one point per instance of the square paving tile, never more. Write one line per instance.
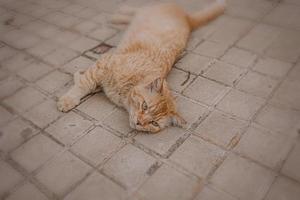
(15, 133)
(53, 81)
(240, 104)
(97, 106)
(62, 173)
(256, 84)
(272, 67)
(162, 142)
(194, 63)
(17, 62)
(197, 156)
(178, 80)
(5, 115)
(10, 86)
(60, 56)
(208, 91)
(27, 191)
(221, 129)
(95, 186)
(69, 127)
(239, 57)
(225, 73)
(266, 148)
(24, 99)
(10, 175)
(178, 185)
(129, 166)
(212, 49)
(284, 188)
(242, 178)
(292, 164)
(97, 145)
(34, 71)
(279, 119)
(119, 120)
(212, 194)
(43, 114)
(78, 64)
(35, 152)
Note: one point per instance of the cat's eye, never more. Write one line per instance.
(144, 106)
(154, 123)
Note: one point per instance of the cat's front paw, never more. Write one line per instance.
(66, 103)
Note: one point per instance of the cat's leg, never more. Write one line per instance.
(85, 82)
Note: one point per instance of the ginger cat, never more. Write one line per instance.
(134, 75)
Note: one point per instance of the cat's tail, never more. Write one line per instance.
(207, 14)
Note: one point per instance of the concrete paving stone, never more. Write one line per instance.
(5, 114)
(198, 156)
(284, 188)
(100, 18)
(107, 6)
(266, 148)
(292, 163)
(24, 99)
(3, 74)
(166, 178)
(65, 37)
(256, 84)
(212, 49)
(221, 129)
(69, 128)
(97, 146)
(48, 31)
(272, 67)
(95, 186)
(212, 194)
(36, 10)
(259, 38)
(72, 8)
(53, 81)
(86, 27)
(193, 42)
(7, 52)
(10, 175)
(240, 104)
(129, 166)
(97, 106)
(225, 73)
(17, 62)
(20, 19)
(35, 152)
(86, 13)
(239, 57)
(26, 41)
(60, 56)
(253, 10)
(43, 48)
(119, 120)
(230, 29)
(178, 80)
(27, 191)
(102, 33)
(294, 74)
(160, 143)
(43, 114)
(189, 110)
(115, 40)
(242, 178)
(62, 173)
(9, 86)
(62, 20)
(12, 36)
(284, 15)
(78, 64)
(14, 134)
(83, 44)
(208, 91)
(194, 63)
(286, 47)
(34, 71)
(279, 119)
(286, 94)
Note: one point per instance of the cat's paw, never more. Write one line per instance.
(66, 103)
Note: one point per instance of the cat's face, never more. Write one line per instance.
(152, 107)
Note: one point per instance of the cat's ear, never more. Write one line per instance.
(156, 85)
(177, 120)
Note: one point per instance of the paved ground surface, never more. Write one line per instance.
(238, 86)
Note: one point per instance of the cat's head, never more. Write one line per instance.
(152, 108)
